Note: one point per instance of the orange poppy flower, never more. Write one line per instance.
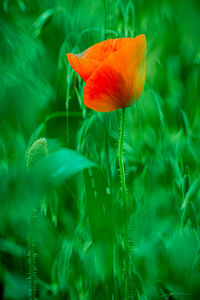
(113, 71)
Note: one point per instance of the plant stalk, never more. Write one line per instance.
(125, 204)
(32, 269)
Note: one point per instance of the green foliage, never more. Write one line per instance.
(36, 152)
(70, 179)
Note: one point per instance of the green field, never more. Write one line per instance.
(62, 220)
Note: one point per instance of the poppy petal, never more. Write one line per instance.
(100, 51)
(86, 62)
(84, 67)
(119, 80)
(104, 90)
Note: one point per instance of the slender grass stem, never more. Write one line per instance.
(62, 114)
(124, 196)
(105, 19)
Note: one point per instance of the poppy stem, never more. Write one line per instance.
(32, 269)
(125, 204)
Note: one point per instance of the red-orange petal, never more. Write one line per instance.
(119, 80)
(100, 51)
(84, 67)
(86, 62)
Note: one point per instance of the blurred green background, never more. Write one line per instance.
(60, 210)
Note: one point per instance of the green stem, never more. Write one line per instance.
(32, 261)
(125, 204)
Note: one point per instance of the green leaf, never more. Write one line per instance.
(59, 166)
(192, 192)
(43, 20)
(15, 287)
(12, 248)
(185, 122)
(186, 184)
